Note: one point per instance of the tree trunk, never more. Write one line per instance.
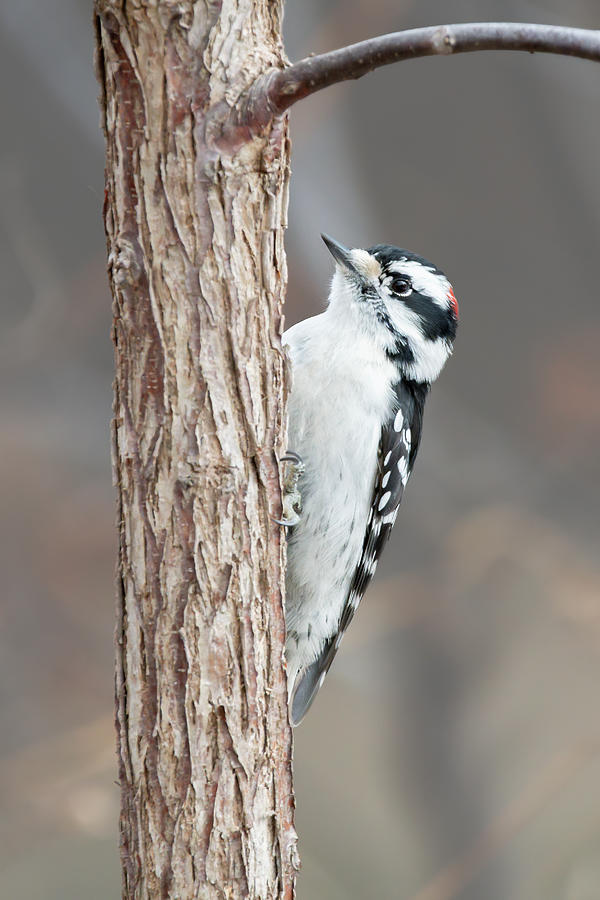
(194, 224)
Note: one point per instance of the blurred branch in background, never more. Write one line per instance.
(562, 768)
(27, 335)
(62, 52)
(64, 784)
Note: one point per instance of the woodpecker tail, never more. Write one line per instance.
(306, 683)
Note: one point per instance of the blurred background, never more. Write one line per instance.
(454, 752)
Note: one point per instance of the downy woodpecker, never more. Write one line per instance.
(360, 374)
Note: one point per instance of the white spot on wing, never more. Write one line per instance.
(403, 469)
(384, 500)
(385, 479)
(399, 420)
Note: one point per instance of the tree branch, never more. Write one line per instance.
(281, 88)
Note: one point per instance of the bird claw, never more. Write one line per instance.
(292, 456)
(291, 499)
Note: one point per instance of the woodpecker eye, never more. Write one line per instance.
(401, 285)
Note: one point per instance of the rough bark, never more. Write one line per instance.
(194, 227)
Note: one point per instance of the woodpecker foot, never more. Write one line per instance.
(291, 498)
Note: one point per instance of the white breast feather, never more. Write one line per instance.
(337, 404)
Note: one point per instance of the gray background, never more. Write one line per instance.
(455, 749)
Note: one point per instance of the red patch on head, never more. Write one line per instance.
(453, 302)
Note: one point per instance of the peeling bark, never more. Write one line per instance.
(194, 227)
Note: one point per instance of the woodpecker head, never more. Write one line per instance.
(404, 303)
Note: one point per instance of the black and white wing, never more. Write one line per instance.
(398, 447)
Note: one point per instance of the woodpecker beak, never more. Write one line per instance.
(340, 254)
